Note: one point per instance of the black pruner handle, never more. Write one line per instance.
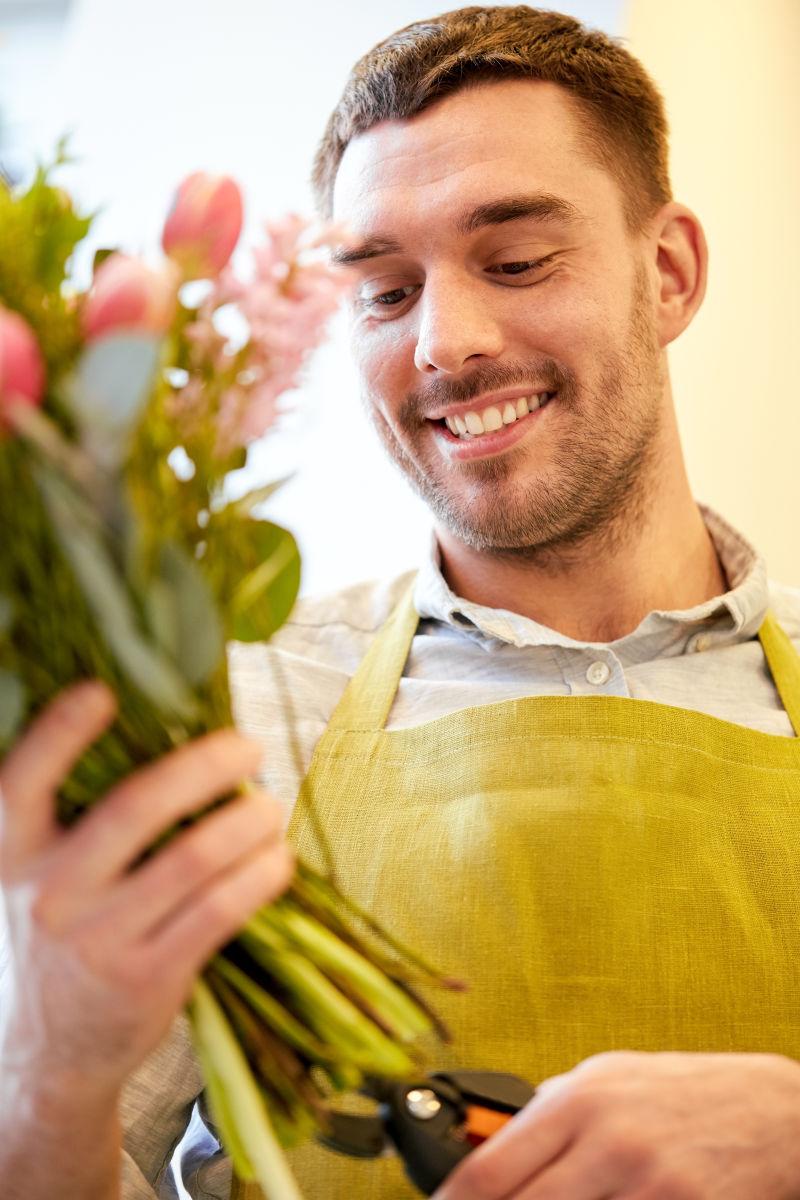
(436, 1123)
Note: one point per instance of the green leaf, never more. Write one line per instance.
(162, 615)
(268, 582)
(56, 227)
(100, 257)
(246, 503)
(12, 705)
(198, 644)
(6, 614)
(236, 1101)
(39, 230)
(111, 604)
(107, 391)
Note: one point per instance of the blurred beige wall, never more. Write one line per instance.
(729, 72)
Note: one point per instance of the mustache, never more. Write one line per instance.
(493, 377)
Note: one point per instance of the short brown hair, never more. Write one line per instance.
(623, 124)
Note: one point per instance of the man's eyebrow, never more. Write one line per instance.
(373, 247)
(538, 206)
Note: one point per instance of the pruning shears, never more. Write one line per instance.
(432, 1122)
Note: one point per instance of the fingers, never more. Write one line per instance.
(144, 805)
(532, 1140)
(210, 920)
(33, 771)
(147, 897)
(578, 1174)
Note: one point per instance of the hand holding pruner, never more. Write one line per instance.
(432, 1123)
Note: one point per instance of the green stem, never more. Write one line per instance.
(239, 1103)
(334, 956)
(331, 1015)
(336, 898)
(273, 1012)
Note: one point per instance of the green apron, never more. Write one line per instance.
(607, 873)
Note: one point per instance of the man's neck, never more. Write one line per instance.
(601, 590)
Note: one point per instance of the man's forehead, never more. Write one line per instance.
(521, 132)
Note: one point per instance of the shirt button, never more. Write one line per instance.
(598, 673)
(701, 643)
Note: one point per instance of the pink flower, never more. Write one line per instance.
(204, 224)
(127, 295)
(285, 308)
(21, 365)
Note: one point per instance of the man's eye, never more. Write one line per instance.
(520, 268)
(389, 299)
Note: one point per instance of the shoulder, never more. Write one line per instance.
(285, 690)
(362, 606)
(784, 601)
(336, 629)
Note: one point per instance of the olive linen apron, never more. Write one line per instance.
(607, 873)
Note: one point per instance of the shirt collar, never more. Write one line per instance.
(732, 617)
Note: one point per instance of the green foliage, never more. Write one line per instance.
(183, 615)
(12, 706)
(111, 603)
(258, 571)
(39, 230)
(108, 390)
(6, 614)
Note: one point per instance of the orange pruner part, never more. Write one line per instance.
(481, 1123)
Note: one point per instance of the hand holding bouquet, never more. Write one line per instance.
(124, 411)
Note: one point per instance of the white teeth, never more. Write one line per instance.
(492, 420)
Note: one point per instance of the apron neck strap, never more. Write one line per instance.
(784, 664)
(367, 700)
(368, 697)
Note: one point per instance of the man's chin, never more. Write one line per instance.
(489, 529)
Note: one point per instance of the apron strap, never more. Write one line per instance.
(784, 663)
(367, 700)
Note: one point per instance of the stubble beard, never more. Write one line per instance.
(603, 461)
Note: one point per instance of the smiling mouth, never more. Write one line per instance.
(470, 426)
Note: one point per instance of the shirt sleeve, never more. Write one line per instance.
(155, 1112)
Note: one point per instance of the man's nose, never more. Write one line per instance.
(455, 324)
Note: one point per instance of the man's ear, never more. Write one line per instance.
(681, 261)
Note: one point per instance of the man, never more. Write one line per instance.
(568, 764)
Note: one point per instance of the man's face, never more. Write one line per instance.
(495, 272)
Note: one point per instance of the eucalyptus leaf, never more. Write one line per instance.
(246, 503)
(263, 598)
(199, 643)
(162, 615)
(109, 388)
(6, 614)
(12, 705)
(105, 591)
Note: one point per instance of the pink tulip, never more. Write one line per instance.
(129, 296)
(21, 364)
(204, 224)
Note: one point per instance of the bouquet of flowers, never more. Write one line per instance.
(124, 408)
